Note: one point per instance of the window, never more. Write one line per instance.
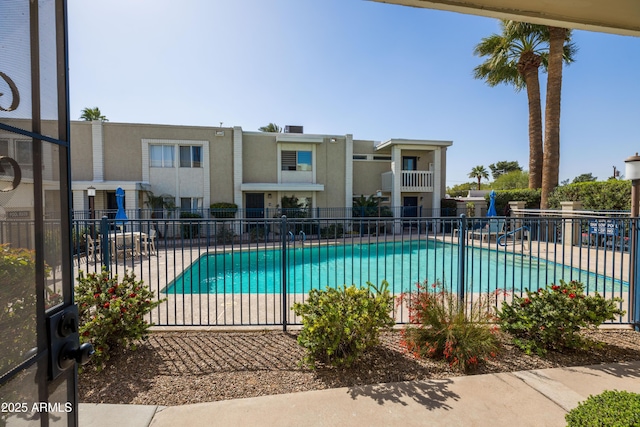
(161, 156)
(190, 204)
(190, 156)
(385, 158)
(20, 150)
(359, 157)
(296, 160)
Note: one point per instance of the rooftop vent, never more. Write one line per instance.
(293, 129)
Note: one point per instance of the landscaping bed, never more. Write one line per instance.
(176, 368)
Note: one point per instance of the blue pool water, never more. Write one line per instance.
(402, 264)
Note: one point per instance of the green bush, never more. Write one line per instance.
(552, 317)
(333, 231)
(18, 311)
(339, 325)
(503, 197)
(600, 195)
(190, 229)
(448, 207)
(444, 331)
(224, 234)
(610, 408)
(223, 210)
(111, 313)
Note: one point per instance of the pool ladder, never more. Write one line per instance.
(524, 229)
(303, 236)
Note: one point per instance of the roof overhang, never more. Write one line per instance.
(418, 144)
(611, 16)
(110, 185)
(285, 186)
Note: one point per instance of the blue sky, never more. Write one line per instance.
(374, 70)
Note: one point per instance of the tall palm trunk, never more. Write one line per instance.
(551, 162)
(528, 68)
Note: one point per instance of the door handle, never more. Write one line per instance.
(64, 342)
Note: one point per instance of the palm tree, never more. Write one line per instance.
(90, 114)
(514, 57)
(560, 48)
(271, 127)
(479, 172)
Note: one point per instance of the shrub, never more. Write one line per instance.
(18, 311)
(531, 197)
(111, 312)
(224, 234)
(600, 195)
(223, 210)
(445, 331)
(552, 317)
(190, 229)
(339, 325)
(333, 231)
(610, 408)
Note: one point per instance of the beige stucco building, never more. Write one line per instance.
(196, 166)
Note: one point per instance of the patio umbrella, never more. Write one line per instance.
(492, 204)
(121, 216)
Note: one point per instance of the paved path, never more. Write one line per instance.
(527, 398)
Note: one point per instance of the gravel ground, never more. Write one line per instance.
(176, 368)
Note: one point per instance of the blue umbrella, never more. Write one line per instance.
(121, 215)
(492, 204)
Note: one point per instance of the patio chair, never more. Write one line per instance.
(148, 242)
(494, 229)
(93, 248)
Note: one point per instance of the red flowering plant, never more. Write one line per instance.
(112, 312)
(443, 327)
(552, 317)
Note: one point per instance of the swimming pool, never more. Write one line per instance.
(401, 263)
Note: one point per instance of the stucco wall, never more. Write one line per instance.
(259, 158)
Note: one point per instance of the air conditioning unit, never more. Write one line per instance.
(293, 129)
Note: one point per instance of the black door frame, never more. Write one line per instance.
(53, 397)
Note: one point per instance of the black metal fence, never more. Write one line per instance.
(230, 272)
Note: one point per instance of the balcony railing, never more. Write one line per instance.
(412, 181)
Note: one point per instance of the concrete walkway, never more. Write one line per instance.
(527, 398)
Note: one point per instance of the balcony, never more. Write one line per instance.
(412, 181)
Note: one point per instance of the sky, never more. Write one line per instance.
(374, 70)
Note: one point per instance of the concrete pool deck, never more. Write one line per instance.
(526, 398)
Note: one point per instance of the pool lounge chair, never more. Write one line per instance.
(494, 229)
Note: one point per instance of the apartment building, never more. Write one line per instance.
(196, 166)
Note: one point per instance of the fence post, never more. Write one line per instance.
(634, 289)
(462, 228)
(283, 237)
(104, 242)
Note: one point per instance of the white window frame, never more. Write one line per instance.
(190, 162)
(164, 163)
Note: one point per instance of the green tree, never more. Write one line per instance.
(478, 173)
(561, 49)
(271, 127)
(503, 167)
(585, 177)
(90, 114)
(460, 190)
(513, 58)
(511, 181)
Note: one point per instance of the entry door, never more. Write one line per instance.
(255, 205)
(36, 286)
(410, 207)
